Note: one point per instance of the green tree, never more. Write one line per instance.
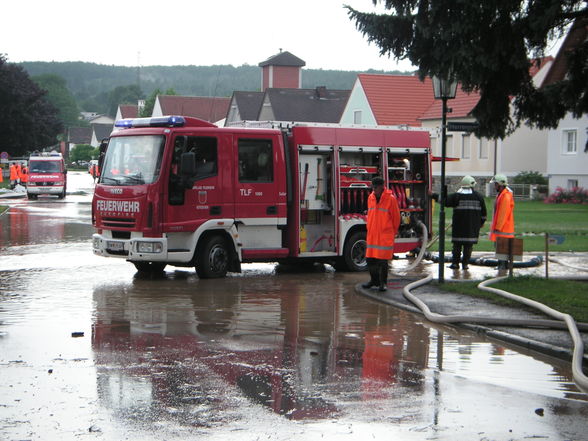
(123, 95)
(59, 95)
(83, 152)
(27, 120)
(488, 46)
(150, 101)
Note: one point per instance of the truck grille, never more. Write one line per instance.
(118, 222)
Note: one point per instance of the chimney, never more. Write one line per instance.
(320, 92)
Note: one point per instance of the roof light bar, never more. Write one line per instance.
(160, 121)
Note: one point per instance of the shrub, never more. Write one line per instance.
(530, 177)
(576, 195)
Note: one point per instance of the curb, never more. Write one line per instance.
(502, 336)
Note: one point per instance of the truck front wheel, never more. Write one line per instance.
(212, 260)
(353, 258)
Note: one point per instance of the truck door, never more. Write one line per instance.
(260, 197)
(188, 206)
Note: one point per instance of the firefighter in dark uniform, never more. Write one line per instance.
(469, 215)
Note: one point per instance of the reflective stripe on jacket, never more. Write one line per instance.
(503, 219)
(382, 224)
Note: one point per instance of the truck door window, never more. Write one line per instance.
(205, 150)
(255, 160)
(206, 154)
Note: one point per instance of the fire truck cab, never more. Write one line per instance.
(181, 191)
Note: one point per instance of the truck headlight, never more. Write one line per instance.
(149, 247)
(96, 243)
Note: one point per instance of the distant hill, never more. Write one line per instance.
(89, 81)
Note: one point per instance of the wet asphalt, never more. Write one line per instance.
(90, 349)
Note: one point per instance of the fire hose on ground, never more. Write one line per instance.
(562, 321)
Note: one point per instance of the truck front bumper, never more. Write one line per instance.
(147, 249)
(52, 189)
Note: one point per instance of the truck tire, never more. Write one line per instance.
(213, 258)
(150, 267)
(32, 197)
(353, 258)
(62, 194)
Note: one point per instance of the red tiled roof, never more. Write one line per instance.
(461, 106)
(574, 39)
(397, 99)
(207, 108)
(538, 63)
(128, 111)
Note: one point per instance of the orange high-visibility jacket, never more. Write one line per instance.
(24, 175)
(1, 177)
(13, 172)
(382, 224)
(503, 219)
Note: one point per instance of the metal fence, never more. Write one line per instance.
(522, 191)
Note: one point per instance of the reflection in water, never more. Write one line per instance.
(190, 350)
(43, 224)
(281, 344)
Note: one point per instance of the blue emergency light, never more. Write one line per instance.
(160, 121)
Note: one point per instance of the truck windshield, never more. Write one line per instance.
(132, 160)
(44, 167)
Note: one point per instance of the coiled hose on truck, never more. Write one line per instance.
(562, 320)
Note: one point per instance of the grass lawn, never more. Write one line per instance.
(566, 296)
(532, 220)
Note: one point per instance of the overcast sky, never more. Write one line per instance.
(189, 32)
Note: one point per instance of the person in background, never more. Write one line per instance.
(13, 175)
(469, 215)
(24, 174)
(383, 220)
(503, 218)
(1, 173)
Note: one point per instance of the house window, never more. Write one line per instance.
(572, 183)
(357, 117)
(483, 148)
(569, 142)
(465, 146)
(448, 146)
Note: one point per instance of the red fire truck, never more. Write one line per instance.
(181, 191)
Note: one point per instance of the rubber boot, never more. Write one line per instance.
(455, 254)
(383, 286)
(374, 274)
(467, 254)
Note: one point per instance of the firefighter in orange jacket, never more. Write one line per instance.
(13, 175)
(382, 224)
(24, 174)
(503, 218)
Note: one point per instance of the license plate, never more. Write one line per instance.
(114, 246)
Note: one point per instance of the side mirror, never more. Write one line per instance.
(188, 164)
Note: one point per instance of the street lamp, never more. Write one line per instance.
(444, 89)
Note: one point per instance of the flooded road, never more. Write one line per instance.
(91, 350)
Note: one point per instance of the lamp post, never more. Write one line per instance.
(444, 89)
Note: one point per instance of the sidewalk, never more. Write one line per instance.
(556, 343)
(19, 192)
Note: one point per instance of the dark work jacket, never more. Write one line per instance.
(469, 214)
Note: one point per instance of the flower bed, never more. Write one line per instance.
(576, 195)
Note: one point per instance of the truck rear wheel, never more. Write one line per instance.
(212, 260)
(353, 258)
(150, 267)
